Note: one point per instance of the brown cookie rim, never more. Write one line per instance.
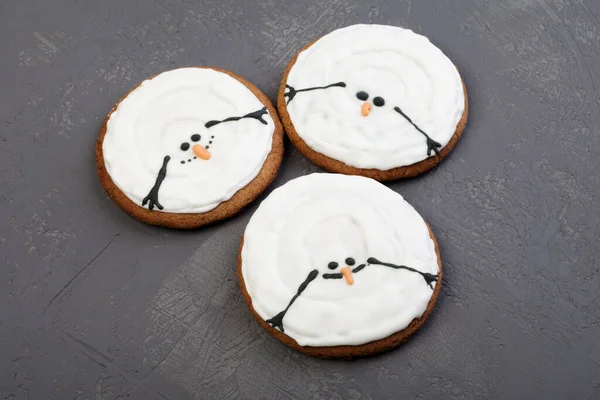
(348, 351)
(338, 166)
(226, 209)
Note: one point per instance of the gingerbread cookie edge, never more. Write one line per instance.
(347, 351)
(337, 166)
(226, 209)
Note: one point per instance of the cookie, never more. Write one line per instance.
(339, 266)
(373, 100)
(189, 147)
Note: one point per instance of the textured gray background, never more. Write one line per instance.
(96, 305)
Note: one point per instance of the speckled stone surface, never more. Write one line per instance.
(96, 305)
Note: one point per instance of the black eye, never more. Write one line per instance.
(362, 96)
(185, 146)
(378, 101)
(350, 261)
(332, 265)
(195, 137)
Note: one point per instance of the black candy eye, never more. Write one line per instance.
(185, 146)
(195, 137)
(350, 261)
(378, 101)
(362, 95)
(332, 265)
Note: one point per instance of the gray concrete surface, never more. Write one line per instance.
(96, 305)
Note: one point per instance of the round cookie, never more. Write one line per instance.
(339, 266)
(189, 147)
(373, 100)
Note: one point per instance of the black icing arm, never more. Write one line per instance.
(152, 198)
(291, 93)
(429, 278)
(432, 145)
(277, 321)
(257, 115)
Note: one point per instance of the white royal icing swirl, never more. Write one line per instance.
(162, 113)
(316, 219)
(403, 68)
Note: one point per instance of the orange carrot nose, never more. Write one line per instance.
(201, 152)
(348, 275)
(365, 109)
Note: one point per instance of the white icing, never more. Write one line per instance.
(403, 68)
(161, 114)
(315, 219)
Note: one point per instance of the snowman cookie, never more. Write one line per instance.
(373, 100)
(189, 147)
(339, 266)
